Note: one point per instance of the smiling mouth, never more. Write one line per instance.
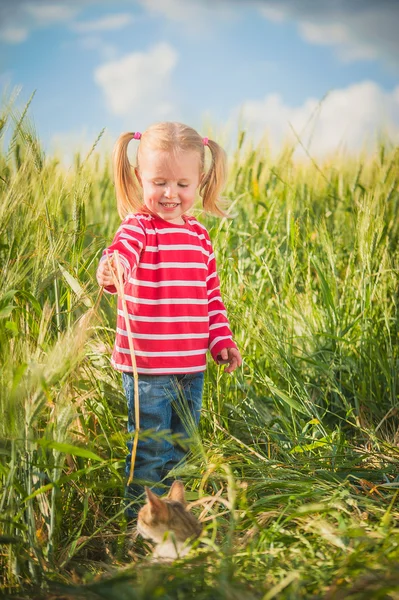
(169, 204)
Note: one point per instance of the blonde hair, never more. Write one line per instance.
(167, 137)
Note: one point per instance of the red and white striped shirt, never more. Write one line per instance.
(172, 294)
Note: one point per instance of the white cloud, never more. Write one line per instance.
(26, 15)
(339, 35)
(176, 10)
(351, 118)
(19, 17)
(13, 35)
(89, 31)
(356, 30)
(138, 85)
(194, 13)
(108, 23)
(272, 13)
(94, 42)
(48, 12)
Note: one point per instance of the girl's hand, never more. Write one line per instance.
(230, 356)
(104, 272)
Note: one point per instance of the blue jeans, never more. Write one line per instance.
(169, 404)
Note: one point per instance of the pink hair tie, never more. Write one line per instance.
(136, 135)
(205, 141)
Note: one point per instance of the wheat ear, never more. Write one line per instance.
(118, 281)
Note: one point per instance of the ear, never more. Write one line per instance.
(137, 173)
(176, 492)
(157, 506)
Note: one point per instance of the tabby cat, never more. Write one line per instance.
(167, 522)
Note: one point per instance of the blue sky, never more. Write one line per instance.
(125, 64)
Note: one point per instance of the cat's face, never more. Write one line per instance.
(159, 516)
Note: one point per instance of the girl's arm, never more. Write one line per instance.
(129, 241)
(221, 344)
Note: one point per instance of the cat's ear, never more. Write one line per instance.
(157, 506)
(176, 492)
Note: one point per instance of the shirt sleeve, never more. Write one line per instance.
(220, 335)
(129, 241)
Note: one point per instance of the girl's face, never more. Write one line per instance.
(169, 182)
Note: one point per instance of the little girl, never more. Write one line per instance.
(171, 288)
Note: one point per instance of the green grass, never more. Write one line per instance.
(301, 444)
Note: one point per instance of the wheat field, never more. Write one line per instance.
(300, 447)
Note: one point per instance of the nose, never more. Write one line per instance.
(170, 192)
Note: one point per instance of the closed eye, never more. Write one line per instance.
(182, 185)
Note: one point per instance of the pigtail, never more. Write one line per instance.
(128, 190)
(214, 179)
